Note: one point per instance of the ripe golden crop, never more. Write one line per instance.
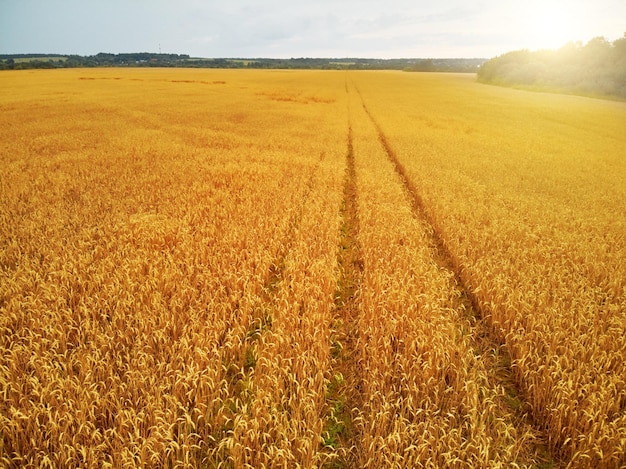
(526, 192)
(232, 268)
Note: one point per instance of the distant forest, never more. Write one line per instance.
(597, 68)
(147, 59)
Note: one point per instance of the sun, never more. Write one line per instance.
(552, 24)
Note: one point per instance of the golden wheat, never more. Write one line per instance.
(526, 191)
(136, 246)
(429, 400)
(174, 290)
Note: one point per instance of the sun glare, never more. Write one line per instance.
(550, 25)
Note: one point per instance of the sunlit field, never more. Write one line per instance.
(204, 268)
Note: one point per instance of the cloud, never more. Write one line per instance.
(284, 28)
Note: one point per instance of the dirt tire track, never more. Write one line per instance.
(492, 349)
(344, 393)
(277, 266)
(240, 361)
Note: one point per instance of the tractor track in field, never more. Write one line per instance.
(277, 266)
(491, 350)
(344, 393)
(239, 362)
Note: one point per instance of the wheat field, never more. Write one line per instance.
(233, 268)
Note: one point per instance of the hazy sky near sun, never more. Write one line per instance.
(292, 28)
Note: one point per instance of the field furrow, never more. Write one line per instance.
(251, 319)
(525, 195)
(487, 349)
(344, 394)
(282, 421)
(429, 398)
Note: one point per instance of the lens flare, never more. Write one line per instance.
(550, 25)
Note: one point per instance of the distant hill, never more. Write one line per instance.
(597, 68)
(147, 59)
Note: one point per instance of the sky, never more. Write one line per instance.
(292, 28)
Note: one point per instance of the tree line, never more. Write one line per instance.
(30, 61)
(147, 59)
(597, 68)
